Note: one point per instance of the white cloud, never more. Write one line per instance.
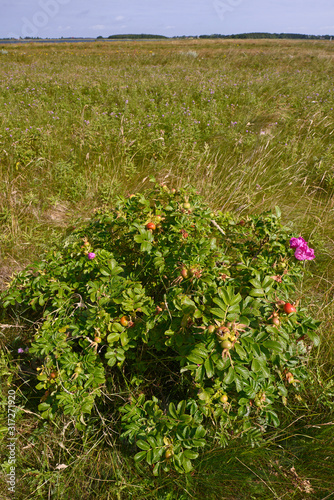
(119, 18)
(97, 27)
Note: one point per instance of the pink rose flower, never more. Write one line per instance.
(296, 242)
(91, 255)
(302, 252)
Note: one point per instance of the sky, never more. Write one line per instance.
(92, 18)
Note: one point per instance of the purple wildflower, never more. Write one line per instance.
(91, 255)
(20, 350)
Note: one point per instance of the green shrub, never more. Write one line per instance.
(180, 310)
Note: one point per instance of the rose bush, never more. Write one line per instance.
(181, 324)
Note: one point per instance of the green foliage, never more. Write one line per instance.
(181, 309)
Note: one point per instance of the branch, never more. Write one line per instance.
(214, 223)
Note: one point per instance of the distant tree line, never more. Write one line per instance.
(271, 35)
(135, 37)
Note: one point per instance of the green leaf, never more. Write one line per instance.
(240, 350)
(195, 359)
(257, 292)
(236, 299)
(186, 418)
(43, 406)
(209, 367)
(219, 303)
(199, 442)
(143, 445)
(314, 337)
(218, 312)
(181, 407)
(140, 456)
(192, 455)
(228, 379)
(238, 384)
(112, 360)
(200, 432)
(243, 371)
(113, 337)
(146, 246)
(256, 367)
(223, 364)
(187, 465)
(188, 367)
(256, 283)
(124, 338)
(151, 441)
(235, 309)
(172, 410)
(156, 468)
(273, 345)
(223, 294)
(272, 418)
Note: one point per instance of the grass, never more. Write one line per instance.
(250, 124)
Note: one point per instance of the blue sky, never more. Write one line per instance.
(88, 18)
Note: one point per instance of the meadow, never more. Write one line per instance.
(250, 125)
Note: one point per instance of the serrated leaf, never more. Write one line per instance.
(241, 351)
(238, 384)
(243, 371)
(223, 364)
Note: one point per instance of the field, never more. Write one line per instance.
(250, 125)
